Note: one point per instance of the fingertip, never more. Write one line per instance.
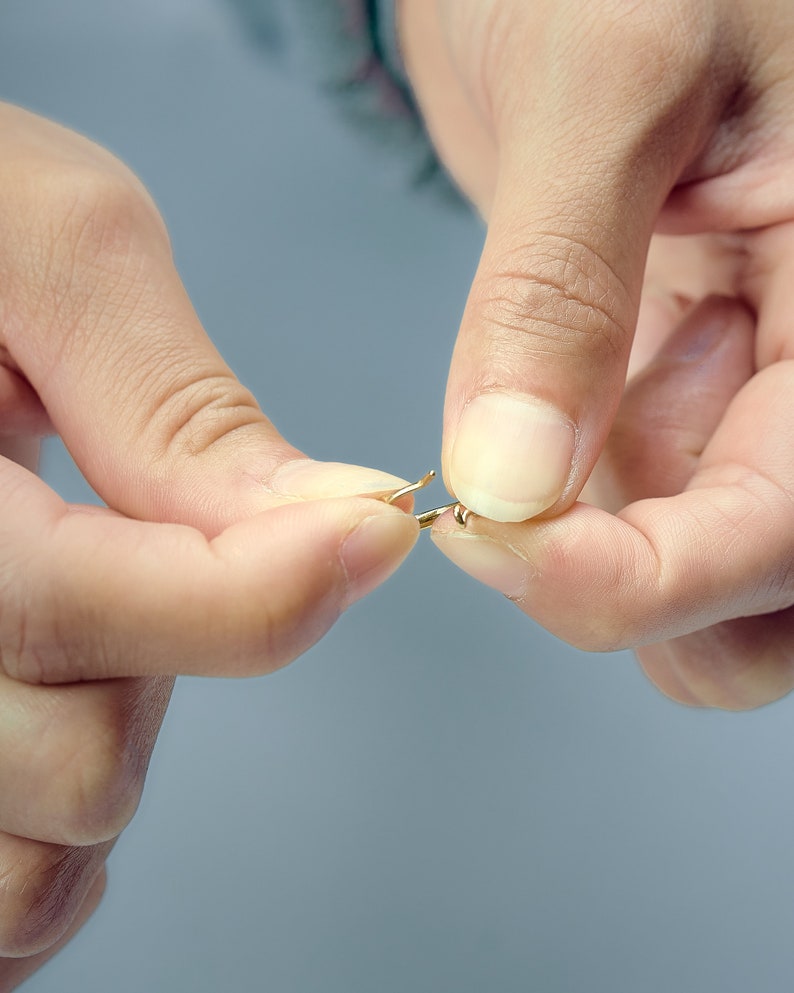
(490, 562)
(738, 665)
(374, 549)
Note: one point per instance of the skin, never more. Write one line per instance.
(631, 160)
(633, 163)
(222, 550)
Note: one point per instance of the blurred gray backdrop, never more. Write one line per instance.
(439, 798)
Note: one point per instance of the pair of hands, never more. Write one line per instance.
(587, 135)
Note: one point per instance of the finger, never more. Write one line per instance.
(98, 322)
(42, 890)
(15, 971)
(748, 661)
(73, 759)
(736, 665)
(540, 363)
(89, 594)
(670, 410)
(666, 567)
(21, 409)
(678, 273)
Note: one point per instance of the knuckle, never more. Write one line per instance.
(554, 296)
(661, 51)
(19, 656)
(109, 764)
(104, 756)
(191, 416)
(82, 245)
(89, 754)
(100, 787)
(40, 641)
(41, 888)
(93, 213)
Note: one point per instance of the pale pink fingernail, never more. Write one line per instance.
(312, 480)
(374, 550)
(511, 457)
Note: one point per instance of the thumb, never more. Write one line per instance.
(540, 362)
(97, 321)
(591, 139)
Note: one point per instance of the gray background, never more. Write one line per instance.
(440, 796)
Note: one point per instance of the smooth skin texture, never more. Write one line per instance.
(222, 551)
(632, 160)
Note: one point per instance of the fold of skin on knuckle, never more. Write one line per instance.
(190, 417)
(61, 641)
(553, 298)
(191, 424)
(41, 889)
(19, 658)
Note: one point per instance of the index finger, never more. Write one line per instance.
(89, 594)
(102, 336)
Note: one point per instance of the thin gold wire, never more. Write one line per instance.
(427, 518)
(412, 487)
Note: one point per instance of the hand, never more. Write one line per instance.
(222, 550)
(586, 133)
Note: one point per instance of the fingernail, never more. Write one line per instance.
(312, 480)
(703, 330)
(374, 549)
(486, 560)
(511, 457)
